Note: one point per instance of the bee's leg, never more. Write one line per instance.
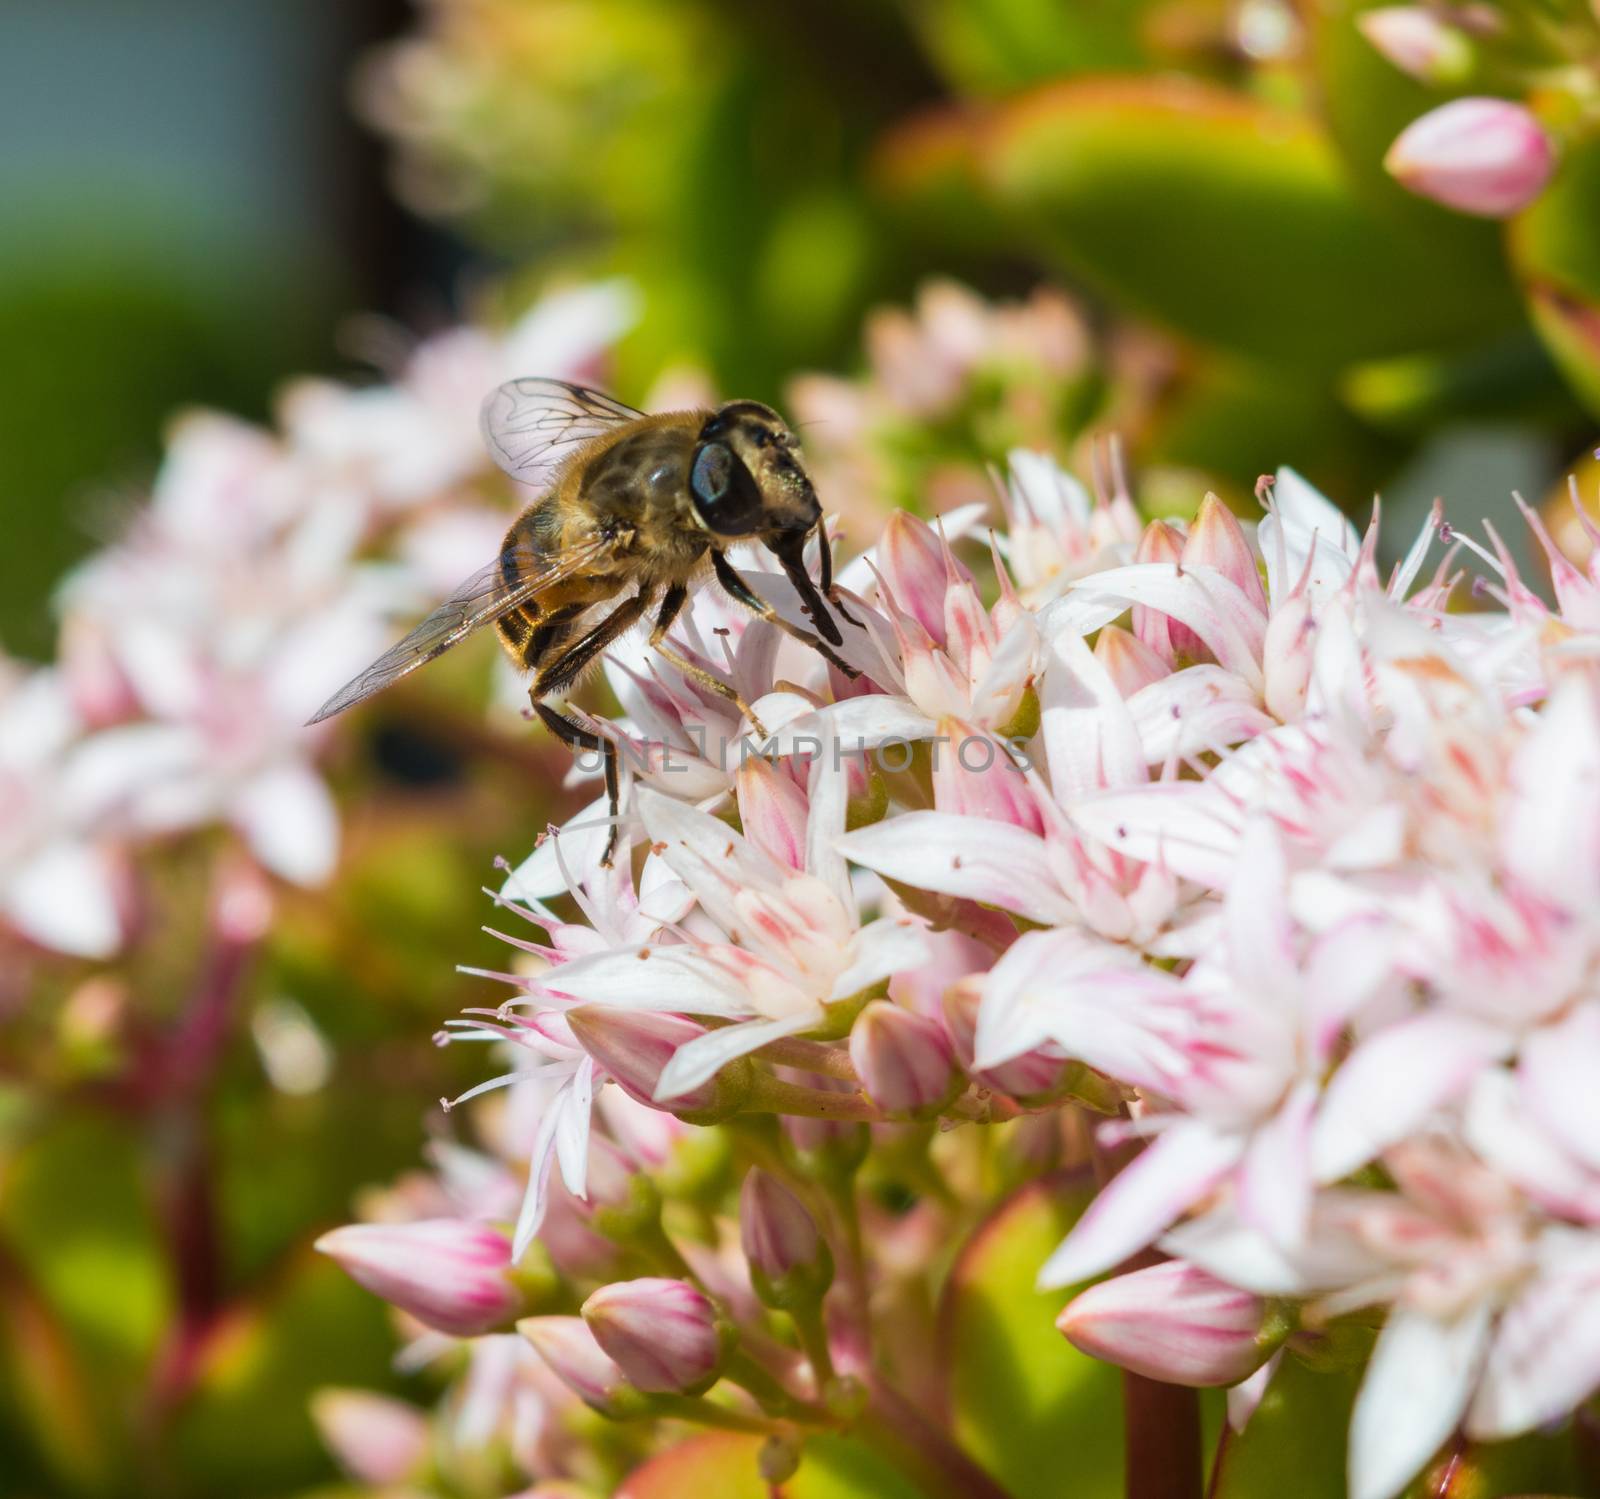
(565, 669)
(570, 664)
(737, 589)
(829, 592)
(579, 738)
(791, 558)
(672, 604)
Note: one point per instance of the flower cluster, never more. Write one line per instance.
(266, 569)
(1285, 869)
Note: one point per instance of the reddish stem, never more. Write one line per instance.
(1160, 1422)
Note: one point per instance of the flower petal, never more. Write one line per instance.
(985, 861)
(1412, 1396)
(291, 823)
(669, 978)
(699, 1060)
(1174, 1172)
(1393, 1081)
(65, 897)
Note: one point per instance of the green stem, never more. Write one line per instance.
(771, 1095)
(814, 1340)
(921, 1449)
(654, 1242)
(810, 1056)
(705, 1412)
(769, 1393)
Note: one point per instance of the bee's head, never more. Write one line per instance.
(747, 478)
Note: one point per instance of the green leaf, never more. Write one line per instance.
(724, 1464)
(1236, 418)
(1557, 251)
(1295, 1441)
(1233, 222)
(1023, 1400)
(996, 46)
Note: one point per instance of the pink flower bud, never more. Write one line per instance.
(789, 1260)
(904, 1061)
(662, 1334)
(634, 1046)
(1032, 1075)
(1481, 156)
(1161, 542)
(375, 1439)
(1172, 1322)
(973, 776)
(1216, 539)
(578, 1361)
(916, 566)
(1130, 662)
(1418, 42)
(447, 1272)
(772, 811)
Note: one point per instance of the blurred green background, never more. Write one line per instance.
(199, 197)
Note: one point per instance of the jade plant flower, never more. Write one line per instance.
(1253, 883)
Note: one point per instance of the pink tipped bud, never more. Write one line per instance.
(1216, 539)
(904, 1061)
(1418, 42)
(1174, 1323)
(375, 1439)
(790, 1263)
(1481, 156)
(634, 1047)
(1032, 1075)
(1161, 542)
(772, 811)
(662, 1334)
(1130, 662)
(916, 566)
(449, 1273)
(579, 1362)
(974, 776)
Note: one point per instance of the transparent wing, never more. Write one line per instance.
(533, 426)
(482, 599)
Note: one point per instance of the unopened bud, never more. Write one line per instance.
(377, 1440)
(1487, 157)
(663, 1334)
(974, 776)
(1174, 1323)
(1033, 1075)
(1418, 42)
(790, 1263)
(1216, 539)
(580, 1363)
(904, 1061)
(1162, 542)
(634, 1046)
(451, 1274)
(779, 1459)
(1130, 663)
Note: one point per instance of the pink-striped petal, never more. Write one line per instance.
(1179, 1168)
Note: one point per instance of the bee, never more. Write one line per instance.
(636, 512)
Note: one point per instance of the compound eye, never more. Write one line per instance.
(723, 491)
